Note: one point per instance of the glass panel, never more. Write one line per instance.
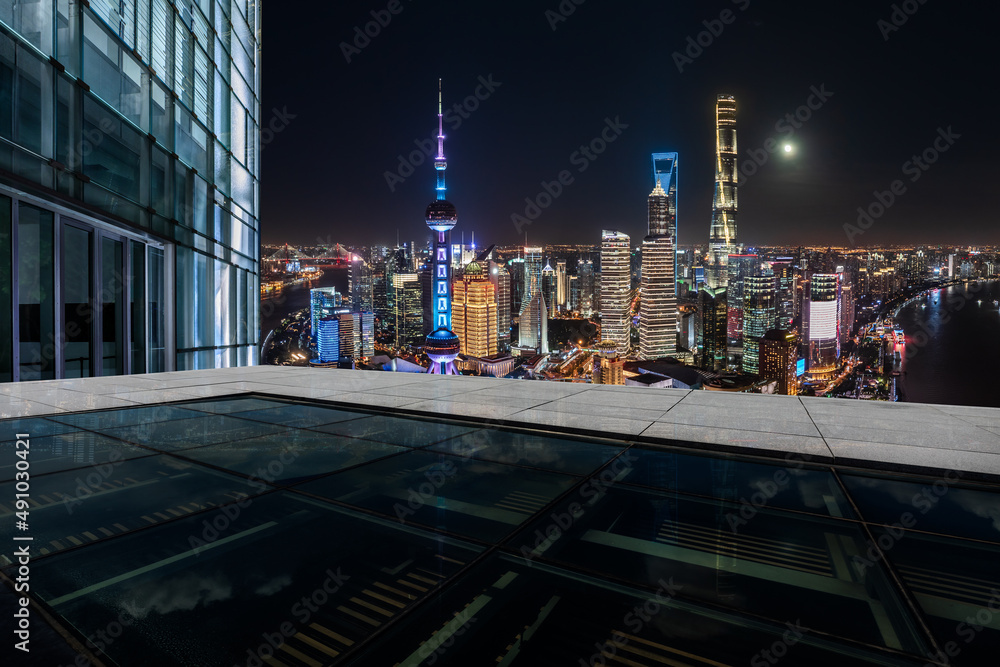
(78, 314)
(933, 505)
(299, 416)
(398, 431)
(33, 106)
(293, 456)
(139, 493)
(462, 496)
(137, 305)
(7, 69)
(530, 449)
(111, 150)
(36, 293)
(112, 307)
(68, 35)
(279, 563)
(65, 451)
(195, 432)
(773, 561)
(32, 20)
(754, 485)
(157, 307)
(6, 294)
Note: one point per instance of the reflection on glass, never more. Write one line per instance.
(791, 485)
(766, 565)
(156, 311)
(329, 577)
(463, 496)
(956, 583)
(137, 303)
(6, 329)
(510, 611)
(530, 449)
(36, 293)
(78, 315)
(938, 505)
(112, 307)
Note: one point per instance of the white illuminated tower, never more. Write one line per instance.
(722, 235)
(442, 345)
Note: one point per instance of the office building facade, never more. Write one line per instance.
(129, 165)
(658, 300)
(778, 357)
(759, 317)
(616, 284)
(474, 312)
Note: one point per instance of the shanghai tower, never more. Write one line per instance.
(442, 345)
(722, 236)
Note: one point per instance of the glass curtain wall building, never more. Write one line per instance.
(129, 165)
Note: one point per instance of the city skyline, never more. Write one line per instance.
(860, 133)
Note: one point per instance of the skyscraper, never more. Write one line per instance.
(784, 274)
(759, 315)
(360, 287)
(408, 315)
(562, 285)
(616, 288)
(585, 281)
(665, 175)
(823, 325)
(738, 267)
(129, 179)
(322, 302)
(778, 359)
(550, 289)
(609, 368)
(474, 311)
(533, 323)
(441, 345)
(712, 338)
(328, 339)
(658, 301)
(722, 234)
(501, 280)
(532, 271)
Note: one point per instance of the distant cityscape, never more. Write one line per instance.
(649, 312)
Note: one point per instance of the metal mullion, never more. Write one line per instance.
(97, 325)
(59, 335)
(15, 318)
(126, 307)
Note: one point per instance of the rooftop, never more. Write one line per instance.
(294, 516)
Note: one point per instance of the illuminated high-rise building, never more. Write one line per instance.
(784, 274)
(408, 323)
(738, 267)
(823, 325)
(532, 273)
(585, 287)
(442, 344)
(711, 336)
(501, 280)
(658, 300)
(722, 234)
(328, 339)
(609, 368)
(778, 357)
(474, 312)
(759, 315)
(562, 285)
(360, 285)
(322, 302)
(533, 323)
(550, 289)
(616, 289)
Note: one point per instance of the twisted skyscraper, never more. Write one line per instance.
(442, 345)
(722, 236)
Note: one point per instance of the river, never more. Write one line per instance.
(278, 306)
(953, 346)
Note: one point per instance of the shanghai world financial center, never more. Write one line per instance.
(129, 166)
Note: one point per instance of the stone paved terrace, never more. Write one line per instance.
(888, 436)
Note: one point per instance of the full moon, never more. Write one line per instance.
(788, 148)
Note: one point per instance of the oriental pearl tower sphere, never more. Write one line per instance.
(442, 345)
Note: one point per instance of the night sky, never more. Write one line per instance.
(323, 172)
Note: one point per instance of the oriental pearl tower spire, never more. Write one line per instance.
(442, 345)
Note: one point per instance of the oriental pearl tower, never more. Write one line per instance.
(442, 345)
